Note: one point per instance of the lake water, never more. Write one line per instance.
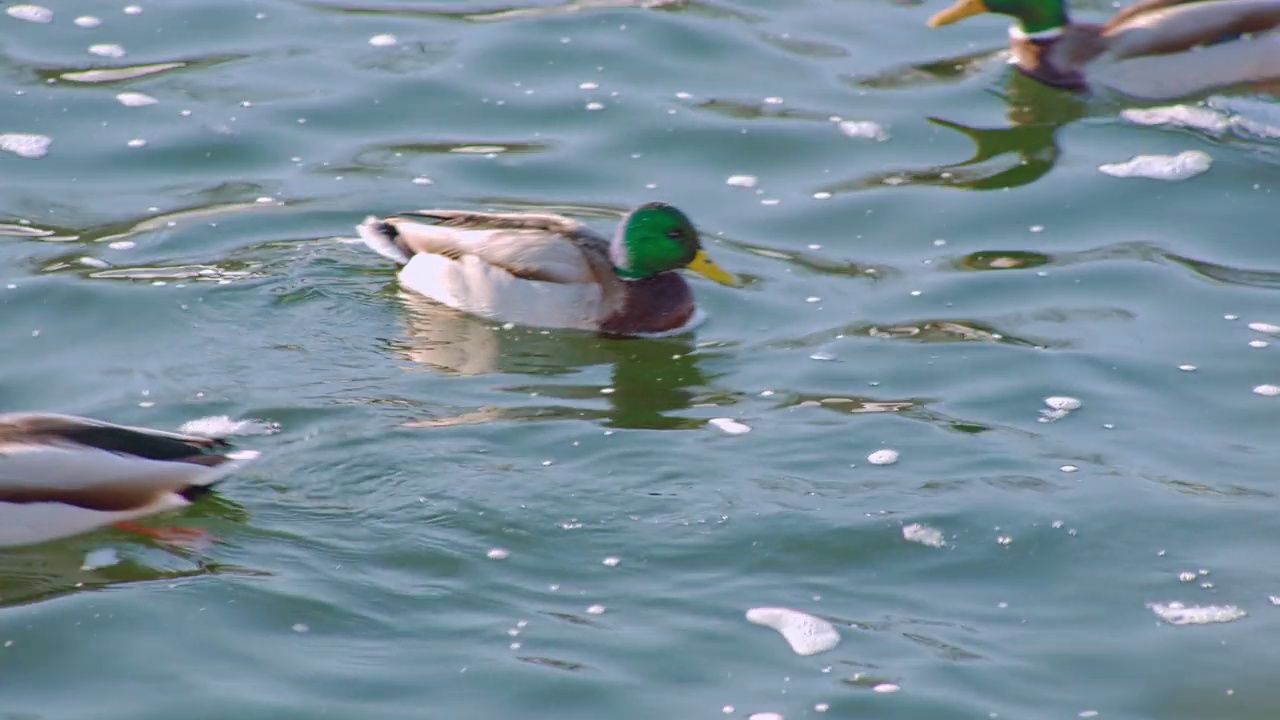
(930, 251)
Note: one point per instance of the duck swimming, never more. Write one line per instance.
(547, 270)
(62, 475)
(1155, 49)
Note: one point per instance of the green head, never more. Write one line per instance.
(657, 238)
(1033, 16)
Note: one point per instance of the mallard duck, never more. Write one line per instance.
(1154, 49)
(551, 271)
(62, 475)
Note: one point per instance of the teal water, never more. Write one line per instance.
(945, 281)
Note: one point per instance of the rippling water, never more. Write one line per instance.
(460, 520)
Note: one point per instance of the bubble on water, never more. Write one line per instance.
(806, 634)
(87, 21)
(923, 534)
(773, 101)
(1184, 165)
(684, 95)
(746, 181)
(224, 426)
(1088, 714)
(770, 201)
(94, 262)
(727, 709)
(110, 50)
(1062, 402)
(133, 10)
(765, 716)
(824, 356)
(1263, 327)
(422, 180)
(611, 561)
(498, 554)
(883, 457)
(821, 707)
(863, 129)
(300, 627)
(1187, 368)
(595, 610)
(822, 196)
(1176, 613)
(100, 558)
(1275, 599)
(1258, 343)
(26, 145)
(135, 99)
(1068, 468)
(1230, 317)
(31, 13)
(588, 86)
(137, 143)
(729, 425)
(595, 106)
(1004, 540)
(384, 40)
(1180, 115)
(886, 688)
(1187, 576)
(813, 299)
(1267, 390)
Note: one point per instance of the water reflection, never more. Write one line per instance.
(55, 569)
(1004, 157)
(651, 379)
(500, 13)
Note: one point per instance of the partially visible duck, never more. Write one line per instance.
(62, 475)
(1156, 49)
(547, 270)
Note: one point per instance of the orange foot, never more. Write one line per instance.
(185, 537)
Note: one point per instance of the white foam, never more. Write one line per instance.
(1263, 327)
(100, 558)
(1267, 390)
(883, 457)
(1175, 613)
(806, 634)
(765, 716)
(746, 181)
(923, 534)
(1197, 118)
(863, 129)
(110, 50)
(224, 426)
(135, 99)
(1182, 166)
(25, 144)
(87, 21)
(31, 13)
(385, 40)
(729, 425)
(1062, 402)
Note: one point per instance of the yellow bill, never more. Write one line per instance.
(957, 12)
(706, 267)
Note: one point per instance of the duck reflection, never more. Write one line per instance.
(652, 378)
(109, 558)
(1004, 157)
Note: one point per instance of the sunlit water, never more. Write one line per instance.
(457, 519)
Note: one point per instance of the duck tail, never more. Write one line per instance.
(383, 238)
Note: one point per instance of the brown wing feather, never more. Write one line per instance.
(1167, 26)
(545, 222)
